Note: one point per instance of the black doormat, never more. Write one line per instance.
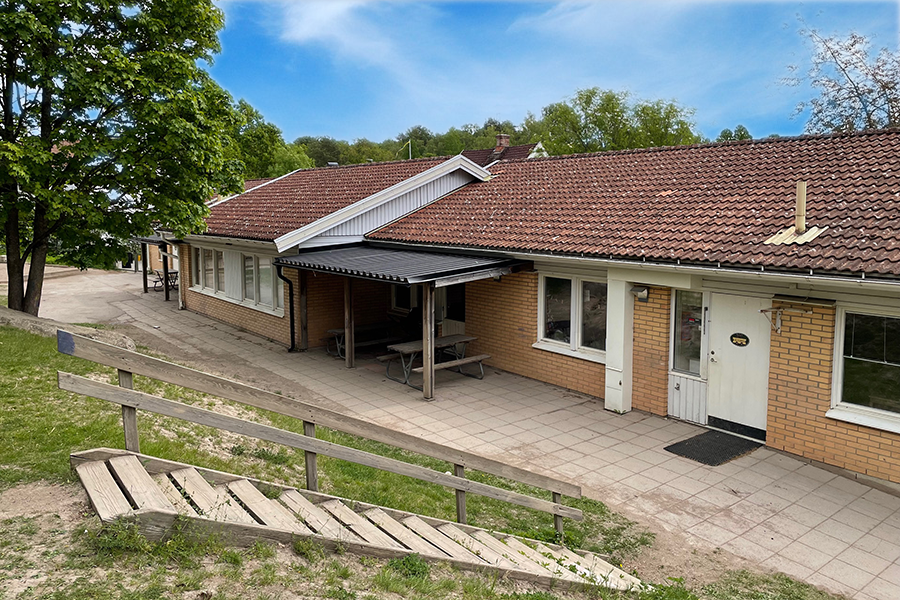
(713, 448)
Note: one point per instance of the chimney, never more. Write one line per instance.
(502, 140)
(800, 211)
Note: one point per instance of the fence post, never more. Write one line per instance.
(557, 519)
(129, 415)
(460, 471)
(312, 473)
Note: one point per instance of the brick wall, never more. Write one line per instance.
(650, 383)
(800, 374)
(503, 316)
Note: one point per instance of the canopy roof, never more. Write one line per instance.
(404, 267)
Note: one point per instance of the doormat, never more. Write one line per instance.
(713, 448)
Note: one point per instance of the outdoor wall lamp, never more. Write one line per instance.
(641, 292)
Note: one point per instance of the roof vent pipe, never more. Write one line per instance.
(800, 211)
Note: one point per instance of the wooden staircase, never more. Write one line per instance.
(160, 495)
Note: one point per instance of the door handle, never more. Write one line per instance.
(712, 359)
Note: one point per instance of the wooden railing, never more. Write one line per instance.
(130, 363)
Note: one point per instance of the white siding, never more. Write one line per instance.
(401, 205)
(687, 398)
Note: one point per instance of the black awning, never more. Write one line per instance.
(404, 267)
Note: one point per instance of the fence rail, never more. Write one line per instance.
(129, 363)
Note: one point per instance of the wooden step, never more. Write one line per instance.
(359, 525)
(107, 499)
(137, 485)
(214, 503)
(172, 494)
(476, 547)
(316, 519)
(265, 510)
(502, 549)
(542, 561)
(402, 534)
(440, 540)
(594, 569)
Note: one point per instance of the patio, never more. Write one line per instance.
(768, 508)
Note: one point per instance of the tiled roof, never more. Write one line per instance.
(295, 200)
(483, 158)
(707, 204)
(249, 184)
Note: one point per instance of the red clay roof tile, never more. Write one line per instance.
(714, 203)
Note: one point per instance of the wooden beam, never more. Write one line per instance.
(145, 257)
(349, 332)
(460, 471)
(169, 408)
(129, 415)
(428, 341)
(139, 364)
(312, 469)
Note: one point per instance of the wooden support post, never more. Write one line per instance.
(304, 314)
(312, 473)
(349, 334)
(145, 257)
(428, 341)
(460, 471)
(557, 519)
(165, 266)
(129, 415)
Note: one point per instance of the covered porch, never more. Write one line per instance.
(424, 272)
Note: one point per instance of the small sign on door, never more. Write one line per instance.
(740, 339)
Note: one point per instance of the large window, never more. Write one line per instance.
(573, 315)
(245, 278)
(871, 361)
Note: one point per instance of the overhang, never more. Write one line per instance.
(402, 267)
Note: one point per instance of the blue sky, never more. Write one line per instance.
(368, 69)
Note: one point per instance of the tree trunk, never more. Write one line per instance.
(14, 263)
(32, 300)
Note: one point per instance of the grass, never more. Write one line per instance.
(42, 425)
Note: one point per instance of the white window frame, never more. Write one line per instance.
(704, 338)
(854, 413)
(574, 347)
(201, 286)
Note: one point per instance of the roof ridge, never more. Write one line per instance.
(383, 162)
(765, 140)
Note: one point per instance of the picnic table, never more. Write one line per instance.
(449, 345)
(159, 284)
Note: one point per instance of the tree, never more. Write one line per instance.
(740, 133)
(857, 91)
(322, 150)
(261, 147)
(597, 120)
(109, 128)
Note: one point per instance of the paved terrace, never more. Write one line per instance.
(768, 508)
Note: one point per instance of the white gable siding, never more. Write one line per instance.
(358, 226)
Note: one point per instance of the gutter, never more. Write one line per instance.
(280, 274)
(650, 265)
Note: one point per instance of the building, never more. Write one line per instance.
(751, 286)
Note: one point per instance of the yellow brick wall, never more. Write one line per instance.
(800, 372)
(650, 383)
(503, 316)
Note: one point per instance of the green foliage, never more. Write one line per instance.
(261, 148)
(117, 127)
(308, 549)
(598, 120)
(740, 133)
(411, 566)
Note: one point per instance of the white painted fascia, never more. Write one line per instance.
(228, 242)
(298, 236)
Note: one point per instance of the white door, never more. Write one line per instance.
(738, 367)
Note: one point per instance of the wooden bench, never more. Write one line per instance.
(375, 334)
(457, 364)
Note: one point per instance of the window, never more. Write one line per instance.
(573, 316)
(867, 370)
(220, 271)
(687, 331)
(247, 279)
